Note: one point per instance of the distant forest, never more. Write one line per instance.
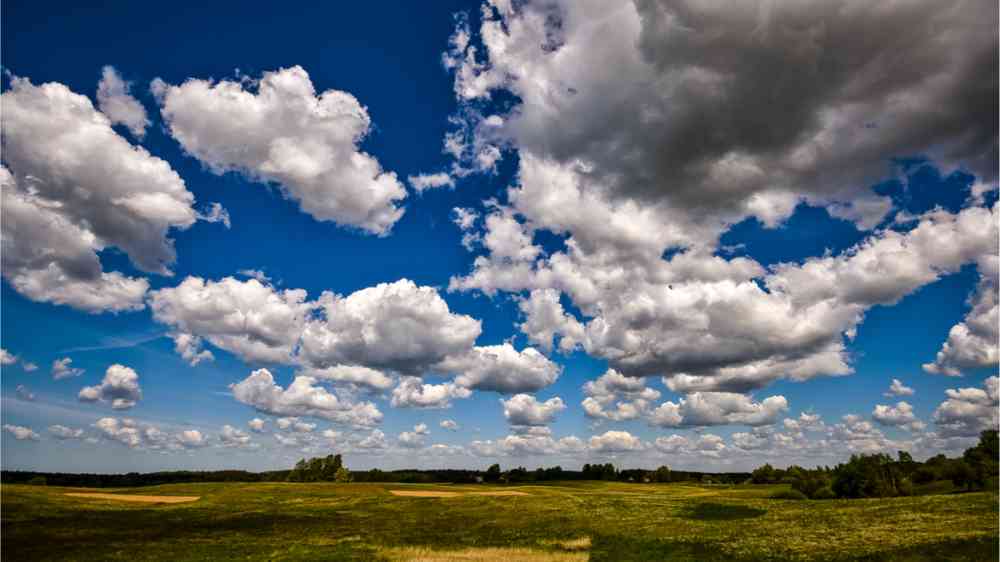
(864, 475)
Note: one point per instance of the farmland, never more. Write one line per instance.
(555, 521)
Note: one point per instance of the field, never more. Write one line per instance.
(556, 522)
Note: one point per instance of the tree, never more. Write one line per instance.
(492, 473)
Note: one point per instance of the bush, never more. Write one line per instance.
(824, 493)
(38, 481)
(789, 495)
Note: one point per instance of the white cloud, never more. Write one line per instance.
(191, 438)
(700, 409)
(900, 415)
(545, 318)
(100, 192)
(21, 433)
(63, 433)
(250, 319)
(296, 425)
(256, 425)
(973, 342)
(613, 396)
(287, 134)
(450, 425)
(423, 182)
(615, 442)
(28, 366)
(232, 437)
(62, 369)
(120, 387)
(351, 374)
(412, 392)
(968, 411)
(503, 369)
(526, 410)
(373, 441)
(117, 103)
(7, 358)
(414, 439)
(398, 326)
(302, 398)
(897, 388)
(189, 348)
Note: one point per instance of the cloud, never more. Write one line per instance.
(414, 439)
(7, 358)
(900, 415)
(100, 192)
(23, 393)
(897, 388)
(706, 445)
(28, 366)
(412, 392)
(615, 442)
(973, 342)
(503, 369)
(133, 435)
(681, 122)
(526, 410)
(450, 425)
(302, 398)
(61, 369)
(398, 326)
(287, 134)
(373, 442)
(613, 396)
(296, 425)
(189, 348)
(545, 318)
(701, 409)
(232, 437)
(351, 374)
(117, 103)
(968, 411)
(21, 433)
(423, 182)
(256, 425)
(63, 433)
(250, 319)
(120, 387)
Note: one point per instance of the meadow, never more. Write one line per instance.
(561, 521)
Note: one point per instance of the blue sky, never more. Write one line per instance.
(732, 276)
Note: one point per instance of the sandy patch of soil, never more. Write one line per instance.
(499, 493)
(135, 498)
(417, 554)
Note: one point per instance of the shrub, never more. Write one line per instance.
(824, 493)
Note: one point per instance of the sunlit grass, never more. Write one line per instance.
(618, 521)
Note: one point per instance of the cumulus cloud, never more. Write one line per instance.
(21, 433)
(718, 408)
(100, 192)
(897, 388)
(120, 387)
(412, 392)
(900, 415)
(351, 374)
(614, 396)
(134, 435)
(7, 358)
(189, 347)
(63, 369)
(526, 410)
(973, 342)
(233, 437)
(615, 442)
(706, 445)
(684, 123)
(450, 425)
(968, 411)
(502, 368)
(302, 398)
(287, 134)
(545, 318)
(296, 425)
(64, 433)
(423, 182)
(250, 319)
(116, 101)
(256, 425)
(414, 439)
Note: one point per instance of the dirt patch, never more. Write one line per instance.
(445, 494)
(424, 493)
(582, 543)
(135, 498)
(417, 554)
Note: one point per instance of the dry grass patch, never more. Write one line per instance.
(134, 498)
(500, 493)
(582, 543)
(424, 493)
(420, 554)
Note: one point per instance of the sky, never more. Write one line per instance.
(453, 234)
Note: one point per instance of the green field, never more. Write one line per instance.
(559, 521)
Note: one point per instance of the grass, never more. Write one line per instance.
(561, 521)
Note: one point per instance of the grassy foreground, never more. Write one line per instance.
(561, 521)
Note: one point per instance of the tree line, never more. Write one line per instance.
(879, 475)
